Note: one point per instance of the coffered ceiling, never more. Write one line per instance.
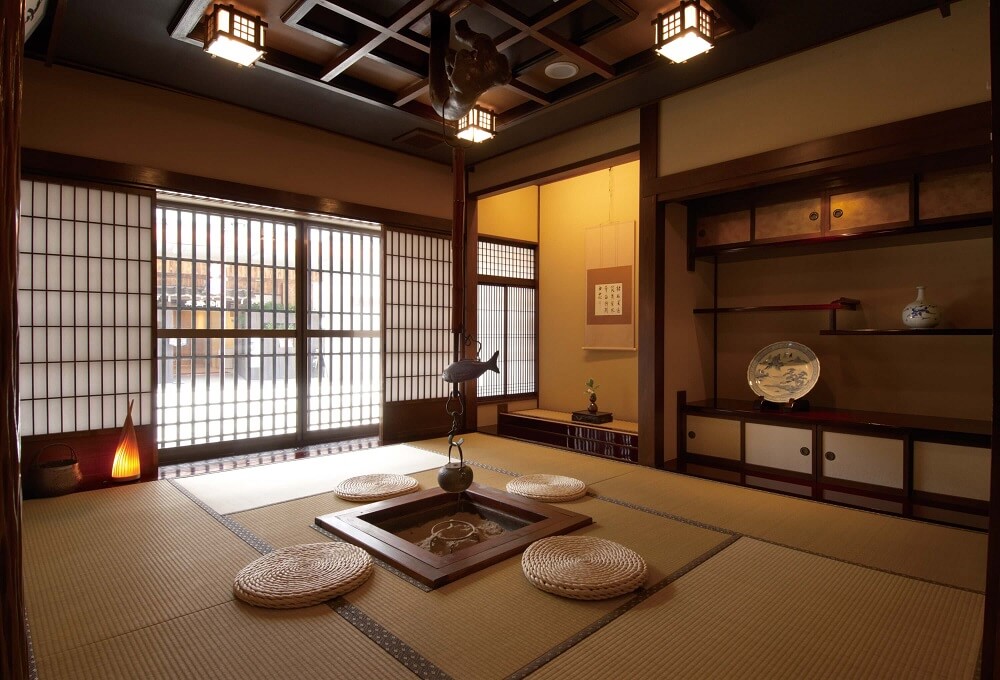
(359, 68)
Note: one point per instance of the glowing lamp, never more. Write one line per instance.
(477, 125)
(126, 465)
(235, 35)
(685, 32)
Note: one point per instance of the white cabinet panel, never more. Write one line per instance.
(962, 471)
(785, 448)
(718, 437)
(857, 458)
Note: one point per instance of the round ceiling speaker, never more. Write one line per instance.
(561, 70)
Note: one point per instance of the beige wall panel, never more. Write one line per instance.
(908, 68)
(83, 114)
(567, 209)
(513, 214)
(605, 136)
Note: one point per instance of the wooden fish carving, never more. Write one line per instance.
(470, 369)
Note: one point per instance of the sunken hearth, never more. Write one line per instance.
(438, 537)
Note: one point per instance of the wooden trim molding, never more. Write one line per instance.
(652, 245)
(944, 132)
(14, 653)
(64, 166)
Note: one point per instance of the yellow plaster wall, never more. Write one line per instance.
(605, 136)
(905, 69)
(512, 215)
(567, 208)
(74, 112)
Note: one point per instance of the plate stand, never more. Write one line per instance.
(762, 404)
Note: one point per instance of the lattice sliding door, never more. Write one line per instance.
(84, 308)
(417, 334)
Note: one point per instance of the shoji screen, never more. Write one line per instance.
(417, 335)
(84, 297)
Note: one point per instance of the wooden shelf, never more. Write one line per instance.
(841, 303)
(909, 331)
(974, 432)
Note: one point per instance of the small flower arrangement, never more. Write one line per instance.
(591, 386)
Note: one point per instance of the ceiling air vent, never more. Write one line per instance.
(421, 139)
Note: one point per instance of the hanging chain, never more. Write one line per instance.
(456, 416)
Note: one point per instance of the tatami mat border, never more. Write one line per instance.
(247, 536)
(370, 628)
(711, 527)
(641, 595)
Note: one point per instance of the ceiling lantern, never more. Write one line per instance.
(685, 32)
(235, 35)
(477, 125)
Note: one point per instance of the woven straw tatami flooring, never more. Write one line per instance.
(135, 582)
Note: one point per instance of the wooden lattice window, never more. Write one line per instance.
(507, 317)
(84, 308)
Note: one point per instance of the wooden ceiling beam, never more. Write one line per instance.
(546, 36)
(365, 18)
(411, 92)
(528, 91)
(187, 18)
(732, 14)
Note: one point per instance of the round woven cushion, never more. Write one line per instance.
(303, 575)
(375, 487)
(551, 488)
(583, 567)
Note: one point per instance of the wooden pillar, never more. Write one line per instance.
(652, 241)
(991, 619)
(13, 638)
(458, 246)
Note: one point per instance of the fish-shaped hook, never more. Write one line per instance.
(470, 369)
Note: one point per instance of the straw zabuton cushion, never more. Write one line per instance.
(583, 567)
(375, 487)
(548, 488)
(303, 575)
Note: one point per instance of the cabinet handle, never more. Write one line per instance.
(804, 450)
(701, 233)
(830, 455)
(813, 216)
(690, 434)
(838, 213)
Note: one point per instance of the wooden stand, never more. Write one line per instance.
(595, 418)
(762, 404)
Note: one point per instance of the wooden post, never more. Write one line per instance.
(14, 660)
(458, 247)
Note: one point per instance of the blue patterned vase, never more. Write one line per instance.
(920, 314)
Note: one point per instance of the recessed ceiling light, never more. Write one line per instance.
(561, 70)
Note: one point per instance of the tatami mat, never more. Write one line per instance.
(135, 582)
(232, 641)
(757, 610)
(929, 551)
(238, 490)
(491, 623)
(102, 563)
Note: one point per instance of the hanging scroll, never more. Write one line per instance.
(609, 253)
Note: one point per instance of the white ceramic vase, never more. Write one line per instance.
(920, 314)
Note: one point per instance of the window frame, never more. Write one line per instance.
(506, 283)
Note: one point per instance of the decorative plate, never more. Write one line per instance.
(783, 371)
